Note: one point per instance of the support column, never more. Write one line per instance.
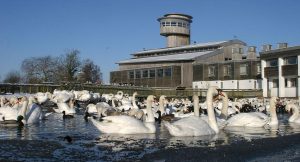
(264, 79)
(281, 86)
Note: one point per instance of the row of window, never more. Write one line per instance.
(287, 61)
(227, 70)
(173, 23)
(150, 73)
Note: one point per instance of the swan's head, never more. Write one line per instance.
(288, 108)
(135, 93)
(275, 100)
(151, 98)
(195, 97)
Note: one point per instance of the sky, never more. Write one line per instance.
(108, 31)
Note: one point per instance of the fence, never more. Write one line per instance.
(142, 91)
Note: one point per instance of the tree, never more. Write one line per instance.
(68, 66)
(90, 72)
(39, 69)
(12, 77)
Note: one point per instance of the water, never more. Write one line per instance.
(44, 141)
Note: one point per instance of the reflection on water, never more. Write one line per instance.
(89, 143)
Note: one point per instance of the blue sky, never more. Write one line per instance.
(107, 31)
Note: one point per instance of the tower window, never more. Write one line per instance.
(180, 24)
(173, 23)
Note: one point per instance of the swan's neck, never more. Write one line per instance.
(274, 120)
(133, 101)
(113, 102)
(2, 101)
(295, 115)
(24, 108)
(224, 111)
(161, 105)
(150, 116)
(196, 106)
(210, 111)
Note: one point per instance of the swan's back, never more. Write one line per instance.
(254, 119)
(189, 126)
(122, 125)
(8, 113)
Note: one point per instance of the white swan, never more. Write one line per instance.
(13, 116)
(295, 118)
(68, 108)
(221, 120)
(33, 112)
(255, 119)
(42, 97)
(126, 124)
(193, 125)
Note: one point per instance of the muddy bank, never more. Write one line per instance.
(282, 148)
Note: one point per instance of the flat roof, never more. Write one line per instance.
(198, 45)
(166, 58)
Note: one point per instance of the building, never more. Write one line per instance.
(181, 64)
(280, 70)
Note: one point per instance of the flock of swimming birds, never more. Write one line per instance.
(124, 114)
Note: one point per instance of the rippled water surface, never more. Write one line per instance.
(89, 144)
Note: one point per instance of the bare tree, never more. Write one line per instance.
(68, 66)
(13, 77)
(90, 72)
(39, 69)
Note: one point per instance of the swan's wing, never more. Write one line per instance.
(9, 113)
(190, 126)
(248, 120)
(122, 119)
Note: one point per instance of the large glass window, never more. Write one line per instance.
(211, 71)
(131, 74)
(151, 73)
(160, 72)
(272, 63)
(137, 74)
(168, 72)
(275, 83)
(290, 82)
(258, 69)
(243, 69)
(227, 70)
(290, 60)
(145, 73)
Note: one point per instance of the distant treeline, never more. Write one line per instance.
(48, 69)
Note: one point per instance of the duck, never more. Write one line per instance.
(255, 119)
(124, 124)
(294, 108)
(194, 125)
